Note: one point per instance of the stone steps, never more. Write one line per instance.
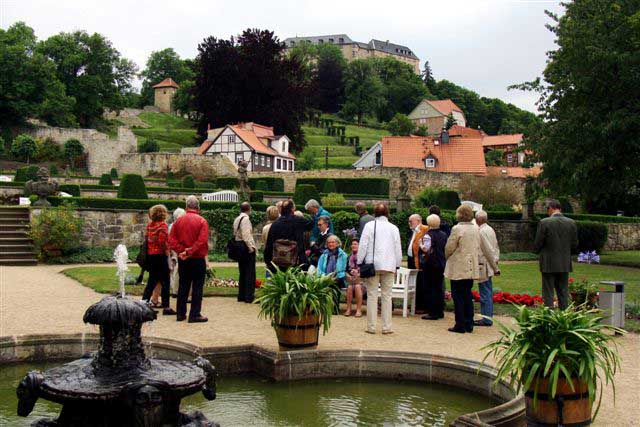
(16, 247)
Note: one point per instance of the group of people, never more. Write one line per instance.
(464, 253)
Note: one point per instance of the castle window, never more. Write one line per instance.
(330, 40)
(430, 162)
(293, 43)
(341, 40)
(320, 41)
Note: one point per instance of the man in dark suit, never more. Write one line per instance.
(556, 239)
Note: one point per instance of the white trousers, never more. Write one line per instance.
(385, 280)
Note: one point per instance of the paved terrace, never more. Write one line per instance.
(40, 300)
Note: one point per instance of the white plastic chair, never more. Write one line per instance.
(221, 196)
(404, 287)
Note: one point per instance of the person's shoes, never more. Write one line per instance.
(358, 314)
(458, 331)
(199, 319)
(168, 311)
(347, 313)
(370, 331)
(481, 323)
(181, 318)
(387, 332)
(429, 317)
(469, 330)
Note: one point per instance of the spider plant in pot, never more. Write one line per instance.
(559, 358)
(297, 303)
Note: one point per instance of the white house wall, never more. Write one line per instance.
(460, 120)
(368, 159)
(229, 150)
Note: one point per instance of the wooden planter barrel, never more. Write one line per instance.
(294, 332)
(568, 408)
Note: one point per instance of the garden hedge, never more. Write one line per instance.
(305, 192)
(592, 236)
(261, 185)
(132, 187)
(604, 218)
(329, 187)
(26, 173)
(73, 189)
(447, 199)
(114, 173)
(222, 221)
(228, 183)
(105, 179)
(370, 186)
(273, 183)
(188, 182)
(256, 196)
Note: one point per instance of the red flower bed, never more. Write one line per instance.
(258, 283)
(507, 298)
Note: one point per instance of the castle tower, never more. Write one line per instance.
(163, 94)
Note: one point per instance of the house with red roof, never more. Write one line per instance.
(510, 145)
(163, 94)
(251, 142)
(434, 114)
(461, 154)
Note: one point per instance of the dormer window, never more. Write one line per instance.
(430, 162)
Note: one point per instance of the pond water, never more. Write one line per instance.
(256, 401)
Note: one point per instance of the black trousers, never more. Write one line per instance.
(192, 273)
(421, 287)
(434, 279)
(463, 304)
(247, 278)
(158, 266)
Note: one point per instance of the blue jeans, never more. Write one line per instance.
(486, 300)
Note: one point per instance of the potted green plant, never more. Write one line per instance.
(560, 358)
(297, 303)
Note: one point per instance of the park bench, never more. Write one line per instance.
(221, 196)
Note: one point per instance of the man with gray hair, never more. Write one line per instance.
(488, 262)
(314, 208)
(189, 238)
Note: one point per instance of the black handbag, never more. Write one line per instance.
(141, 259)
(369, 269)
(236, 249)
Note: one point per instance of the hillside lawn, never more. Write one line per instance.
(171, 132)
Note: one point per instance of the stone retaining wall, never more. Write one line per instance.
(201, 167)
(623, 237)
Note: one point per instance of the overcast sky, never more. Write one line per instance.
(484, 45)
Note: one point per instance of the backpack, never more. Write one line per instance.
(141, 258)
(285, 253)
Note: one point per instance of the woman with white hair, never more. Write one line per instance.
(433, 268)
(334, 261)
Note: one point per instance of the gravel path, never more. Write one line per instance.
(39, 300)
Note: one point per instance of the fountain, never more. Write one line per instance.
(43, 187)
(118, 385)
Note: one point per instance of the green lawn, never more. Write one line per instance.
(103, 279)
(624, 258)
(171, 132)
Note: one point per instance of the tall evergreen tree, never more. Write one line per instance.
(427, 77)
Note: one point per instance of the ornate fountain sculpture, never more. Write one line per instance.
(119, 385)
(43, 187)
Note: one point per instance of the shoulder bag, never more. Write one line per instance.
(141, 259)
(369, 270)
(236, 249)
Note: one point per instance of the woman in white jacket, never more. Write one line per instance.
(386, 258)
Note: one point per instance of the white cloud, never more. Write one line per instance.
(484, 45)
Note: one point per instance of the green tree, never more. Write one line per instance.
(589, 140)
(184, 100)
(24, 148)
(149, 146)
(306, 161)
(401, 125)
(363, 90)
(161, 65)
(403, 89)
(92, 71)
(72, 149)
(427, 77)
(494, 158)
(29, 86)
(422, 131)
(451, 121)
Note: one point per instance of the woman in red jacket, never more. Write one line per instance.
(158, 256)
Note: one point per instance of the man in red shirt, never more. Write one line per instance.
(189, 238)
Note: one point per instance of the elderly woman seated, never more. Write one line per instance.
(334, 261)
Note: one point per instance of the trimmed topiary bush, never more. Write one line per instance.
(72, 149)
(261, 185)
(566, 205)
(370, 186)
(426, 197)
(447, 199)
(329, 186)
(149, 146)
(188, 182)
(105, 179)
(132, 187)
(228, 183)
(592, 236)
(273, 183)
(26, 173)
(256, 196)
(73, 189)
(170, 175)
(53, 170)
(48, 149)
(24, 147)
(114, 173)
(304, 192)
(333, 199)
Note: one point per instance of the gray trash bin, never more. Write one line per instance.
(612, 303)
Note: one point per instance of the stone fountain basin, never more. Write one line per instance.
(77, 381)
(296, 365)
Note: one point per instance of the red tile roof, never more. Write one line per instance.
(494, 140)
(457, 130)
(458, 155)
(445, 106)
(168, 82)
(513, 172)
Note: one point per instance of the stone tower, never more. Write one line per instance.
(163, 95)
